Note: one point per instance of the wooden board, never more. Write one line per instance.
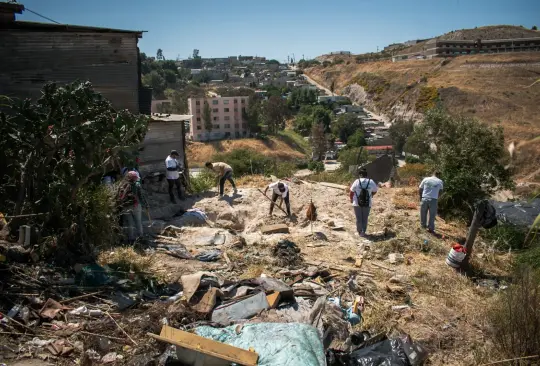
(332, 185)
(273, 299)
(275, 229)
(208, 347)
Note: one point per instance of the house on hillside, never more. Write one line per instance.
(33, 54)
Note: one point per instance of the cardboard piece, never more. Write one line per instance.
(273, 299)
(194, 350)
(275, 229)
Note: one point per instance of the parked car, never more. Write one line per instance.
(331, 155)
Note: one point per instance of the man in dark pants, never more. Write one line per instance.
(279, 189)
(173, 175)
(224, 172)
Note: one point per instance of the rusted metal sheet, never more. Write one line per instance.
(29, 59)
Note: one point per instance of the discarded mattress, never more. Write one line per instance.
(517, 213)
(277, 344)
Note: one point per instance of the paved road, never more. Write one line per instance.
(311, 81)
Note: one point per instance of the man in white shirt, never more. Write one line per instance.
(361, 193)
(429, 191)
(173, 175)
(279, 189)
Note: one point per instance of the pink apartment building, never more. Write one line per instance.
(227, 120)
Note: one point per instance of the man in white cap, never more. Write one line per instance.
(279, 189)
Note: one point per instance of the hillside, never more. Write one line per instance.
(496, 89)
(286, 147)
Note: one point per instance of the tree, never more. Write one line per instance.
(470, 155)
(169, 76)
(352, 156)
(534, 27)
(318, 141)
(400, 131)
(275, 113)
(159, 55)
(207, 117)
(310, 115)
(357, 139)
(196, 54)
(345, 126)
(252, 115)
(269, 62)
(155, 81)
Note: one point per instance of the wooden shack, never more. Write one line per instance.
(32, 54)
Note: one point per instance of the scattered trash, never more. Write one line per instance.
(396, 258)
(275, 343)
(456, 255)
(51, 308)
(244, 309)
(209, 256)
(399, 279)
(83, 310)
(111, 357)
(92, 275)
(400, 307)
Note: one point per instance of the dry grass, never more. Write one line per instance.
(126, 259)
(200, 152)
(252, 181)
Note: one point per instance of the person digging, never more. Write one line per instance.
(279, 189)
(224, 172)
(361, 193)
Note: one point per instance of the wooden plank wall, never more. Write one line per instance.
(30, 58)
(161, 138)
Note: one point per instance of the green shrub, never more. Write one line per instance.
(316, 166)
(409, 159)
(530, 257)
(337, 177)
(246, 162)
(203, 182)
(506, 236)
(352, 156)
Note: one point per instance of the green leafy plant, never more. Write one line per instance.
(316, 166)
(53, 150)
(203, 182)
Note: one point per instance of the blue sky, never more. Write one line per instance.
(275, 29)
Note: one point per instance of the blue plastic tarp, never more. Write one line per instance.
(278, 344)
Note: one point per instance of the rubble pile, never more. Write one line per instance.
(252, 291)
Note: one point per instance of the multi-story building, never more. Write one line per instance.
(449, 48)
(227, 118)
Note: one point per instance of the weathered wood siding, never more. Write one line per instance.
(29, 59)
(161, 138)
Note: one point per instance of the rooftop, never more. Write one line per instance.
(162, 117)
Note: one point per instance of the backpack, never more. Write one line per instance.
(363, 197)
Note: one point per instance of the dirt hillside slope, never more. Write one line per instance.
(200, 152)
(496, 89)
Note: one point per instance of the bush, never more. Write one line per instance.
(472, 164)
(515, 317)
(337, 177)
(246, 162)
(410, 159)
(530, 257)
(506, 236)
(316, 166)
(416, 171)
(204, 181)
(352, 156)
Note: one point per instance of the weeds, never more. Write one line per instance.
(204, 181)
(515, 317)
(506, 237)
(416, 171)
(338, 177)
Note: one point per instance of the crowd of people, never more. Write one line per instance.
(131, 198)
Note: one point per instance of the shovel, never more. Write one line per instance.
(149, 218)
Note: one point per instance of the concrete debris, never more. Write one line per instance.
(396, 258)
